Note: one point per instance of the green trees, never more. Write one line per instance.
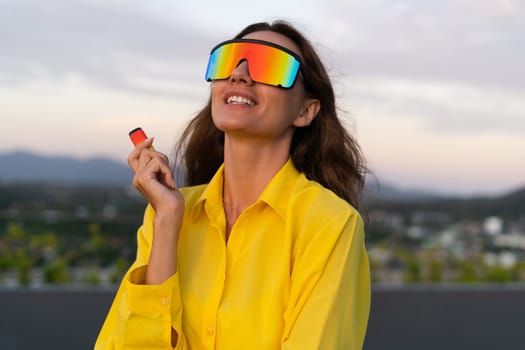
(49, 258)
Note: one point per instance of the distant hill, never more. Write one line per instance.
(28, 167)
(507, 205)
(511, 204)
(376, 189)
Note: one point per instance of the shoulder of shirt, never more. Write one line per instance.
(320, 217)
(313, 198)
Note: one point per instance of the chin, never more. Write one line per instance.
(230, 125)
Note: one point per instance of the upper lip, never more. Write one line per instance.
(239, 93)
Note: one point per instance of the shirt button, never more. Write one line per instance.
(210, 331)
(165, 301)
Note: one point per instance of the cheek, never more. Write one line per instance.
(215, 99)
(290, 104)
(215, 112)
(214, 92)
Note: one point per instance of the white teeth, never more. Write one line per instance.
(239, 100)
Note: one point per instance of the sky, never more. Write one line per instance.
(434, 91)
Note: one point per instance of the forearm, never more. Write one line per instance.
(143, 315)
(163, 258)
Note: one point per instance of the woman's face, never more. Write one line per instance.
(259, 110)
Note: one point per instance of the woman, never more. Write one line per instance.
(265, 249)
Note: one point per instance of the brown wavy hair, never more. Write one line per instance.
(324, 151)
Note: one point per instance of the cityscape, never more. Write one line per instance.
(448, 241)
(58, 235)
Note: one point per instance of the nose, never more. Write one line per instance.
(241, 74)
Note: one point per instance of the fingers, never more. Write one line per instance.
(155, 182)
(150, 164)
(143, 153)
(154, 168)
(134, 156)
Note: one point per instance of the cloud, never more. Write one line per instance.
(442, 107)
(456, 65)
(109, 45)
(478, 42)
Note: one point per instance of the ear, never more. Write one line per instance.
(308, 113)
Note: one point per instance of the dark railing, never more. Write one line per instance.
(486, 317)
(447, 318)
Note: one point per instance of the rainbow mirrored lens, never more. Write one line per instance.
(268, 63)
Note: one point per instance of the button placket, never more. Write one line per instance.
(210, 318)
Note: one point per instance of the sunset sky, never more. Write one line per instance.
(433, 90)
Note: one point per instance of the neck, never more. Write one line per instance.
(248, 167)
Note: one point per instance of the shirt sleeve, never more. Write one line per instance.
(143, 316)
(330, 292)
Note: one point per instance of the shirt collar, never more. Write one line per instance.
(275, 195)
(278, 190)
(211, 197)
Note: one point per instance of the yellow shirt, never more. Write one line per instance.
(293, 274)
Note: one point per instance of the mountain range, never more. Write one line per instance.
(22, 166)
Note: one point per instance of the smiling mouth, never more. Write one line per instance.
(238, 100)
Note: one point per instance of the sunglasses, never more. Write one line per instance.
(268, 63)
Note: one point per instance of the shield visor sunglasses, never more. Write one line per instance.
(268, 63)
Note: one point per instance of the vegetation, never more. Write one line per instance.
(476, 240)
(54, 234)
